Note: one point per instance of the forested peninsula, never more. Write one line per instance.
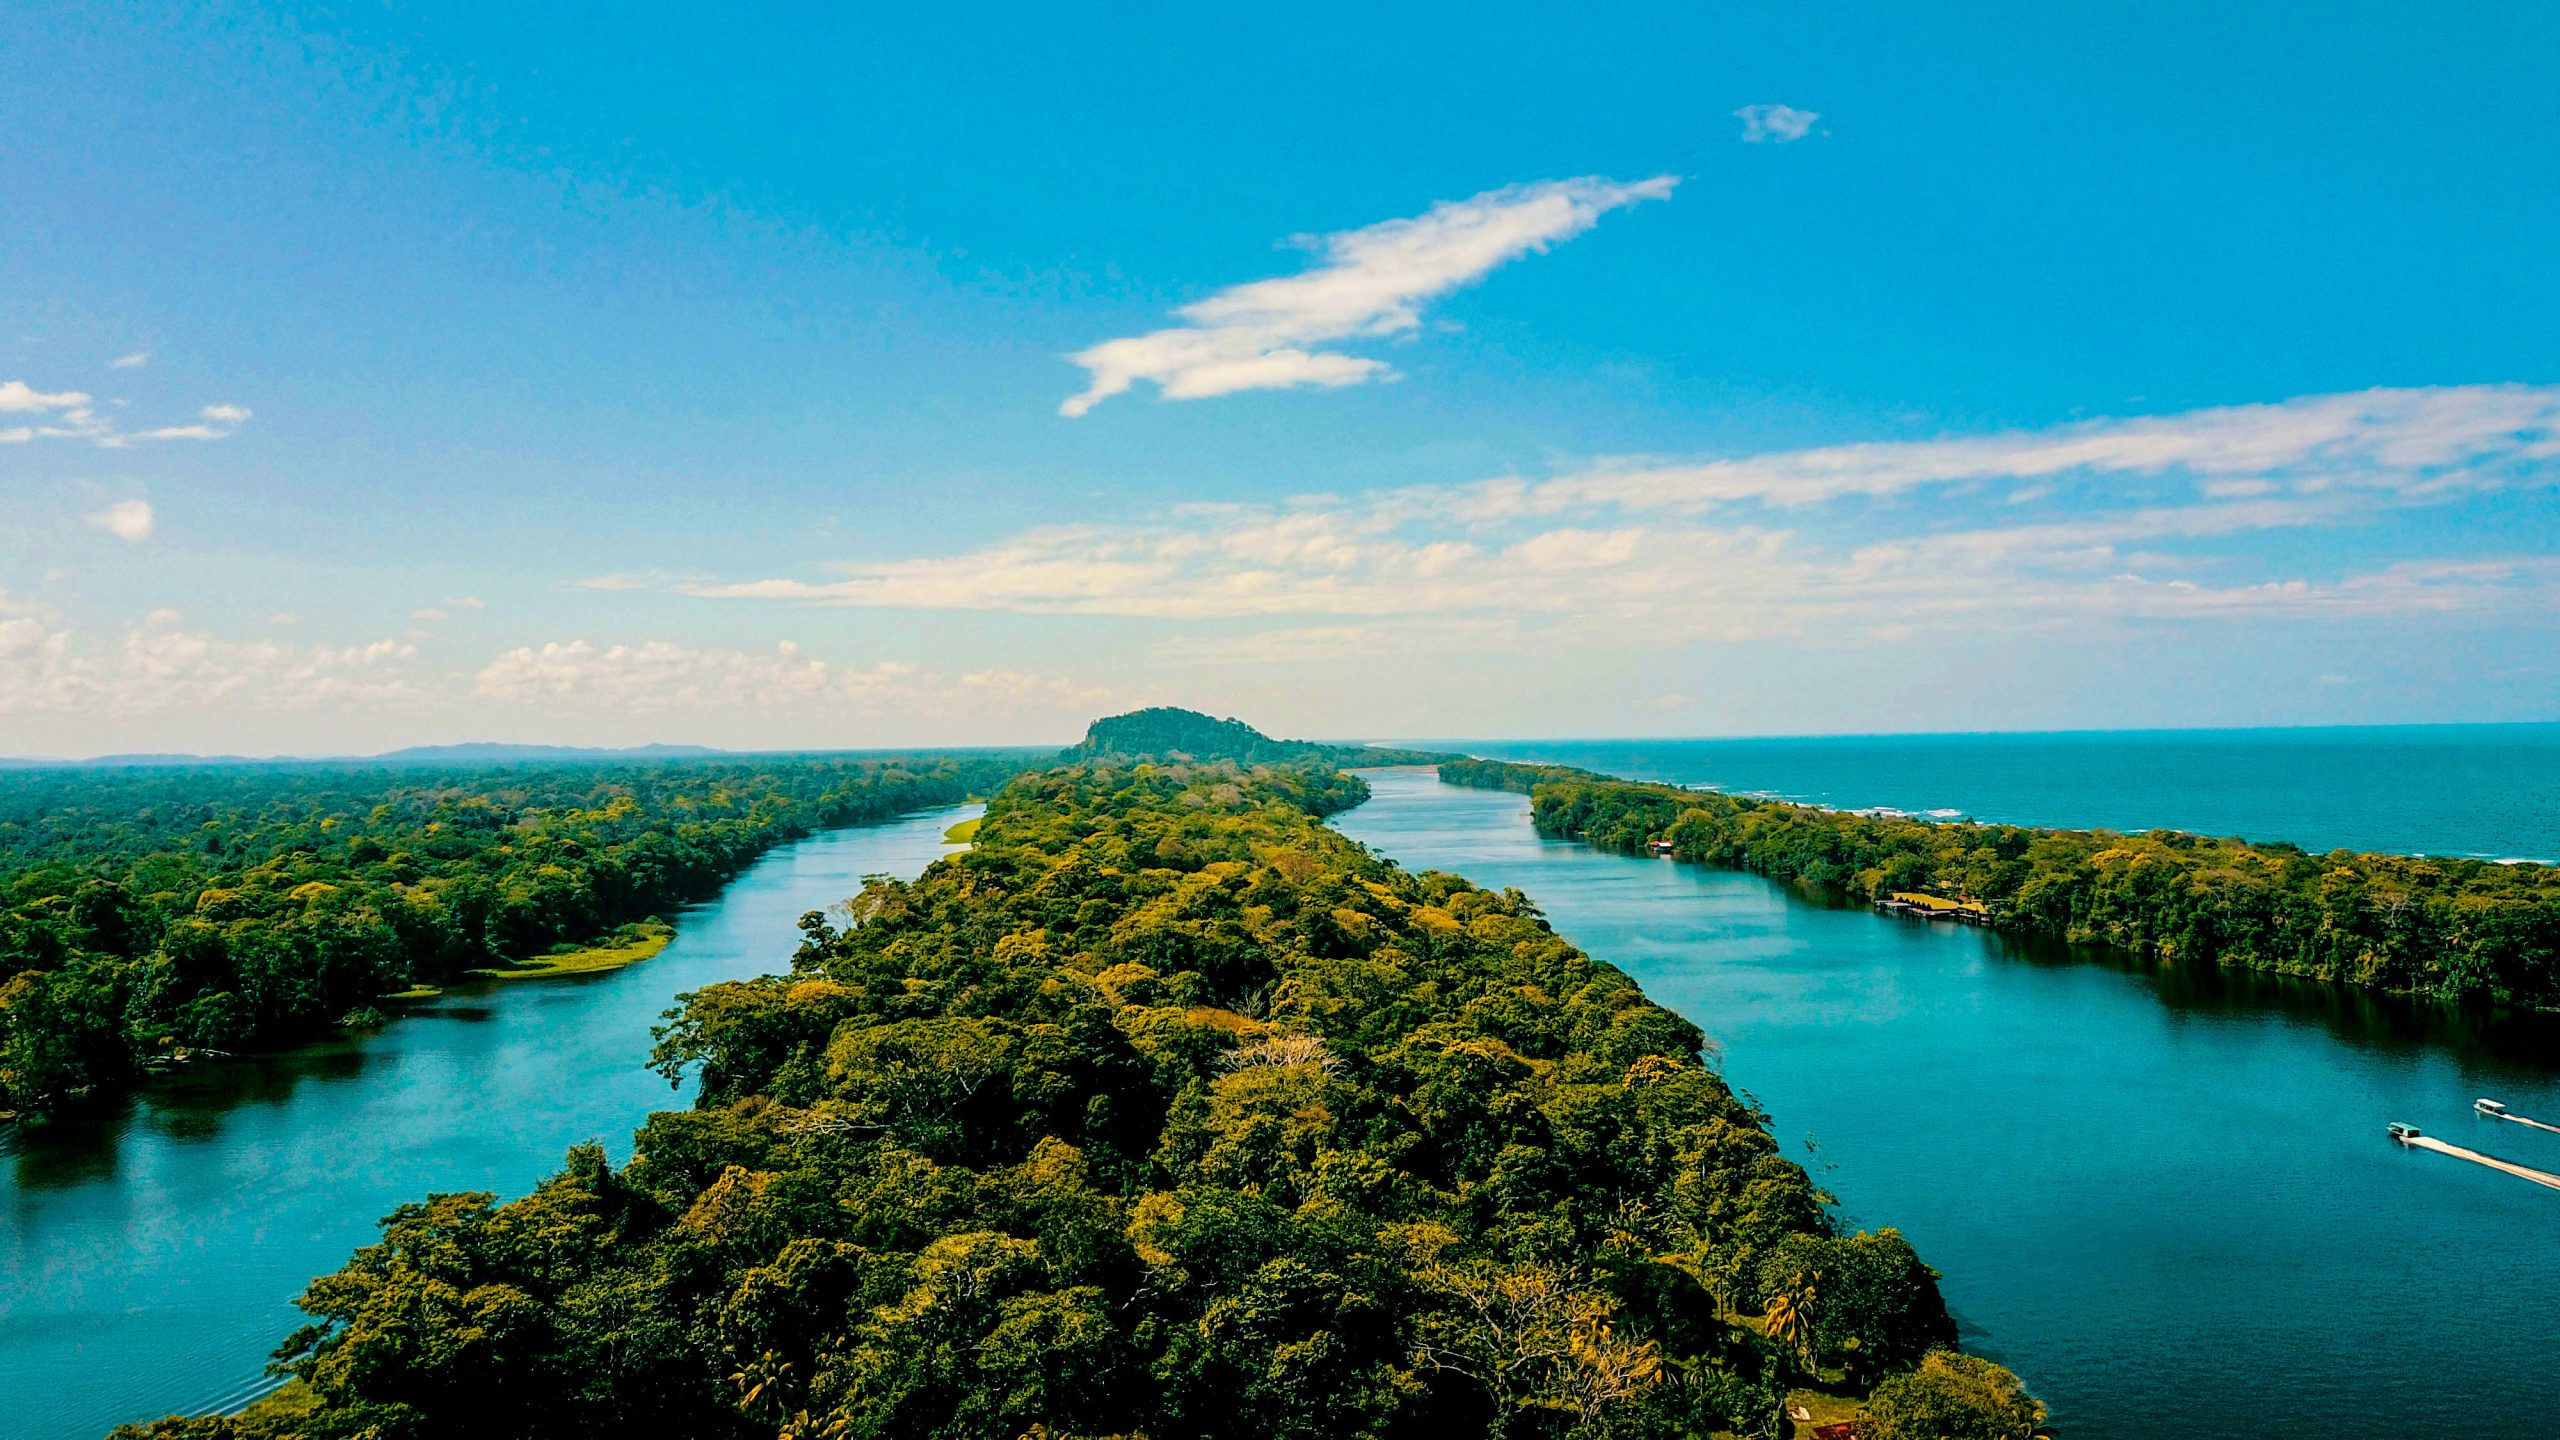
(152, 914)
(1164, 1110)
(2452, 929)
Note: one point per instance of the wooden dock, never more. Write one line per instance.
(2539, 1177)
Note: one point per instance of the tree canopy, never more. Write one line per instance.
(149, 913)
(2450, 928)
(1166, 732)
(1163, 1110)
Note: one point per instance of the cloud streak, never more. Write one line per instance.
(2137, 524)
(1372, 283)
(72, 415)
(659, 675)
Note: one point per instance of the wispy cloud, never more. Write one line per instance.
(1372, 282)
(1775, 124)
(160, 664)
(660, 675)
(17, 397)
(134, 361)
(71, 415)
(1903, 534)
(217, 422)
(127, 520)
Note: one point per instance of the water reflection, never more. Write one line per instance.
(151, 1247)
(2161, 1192)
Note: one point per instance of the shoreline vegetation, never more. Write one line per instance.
(2459, 930)
(150, 918)
(627, 945)
(1164, 1109)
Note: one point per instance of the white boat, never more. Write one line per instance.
(2489, 1107)
(2404, 1133)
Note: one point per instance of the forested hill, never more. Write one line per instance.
(1163, 1110)
(2449, 928)
(1167, 733)
(147, 915)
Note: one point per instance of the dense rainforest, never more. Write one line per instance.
(2448, 928)
(1163, 1111)
(1164, 732)
(148, 914)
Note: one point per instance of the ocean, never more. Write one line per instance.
(2487, 792)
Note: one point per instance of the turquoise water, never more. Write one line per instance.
(2489, 791)
(149, 1257)
(2165, 1198)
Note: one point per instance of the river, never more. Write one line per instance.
(2165, 1198)
(149, 1256)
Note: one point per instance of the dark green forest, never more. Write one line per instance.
(1167, 733)
(147, 915)
(1163, 1111)
(2466, 930)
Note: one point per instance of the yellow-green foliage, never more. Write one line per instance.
(1163, 1110)
(243, 906)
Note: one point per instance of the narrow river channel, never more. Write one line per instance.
(149, 1257)
(2165, 1199)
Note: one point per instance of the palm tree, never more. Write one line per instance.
(1790, 1315)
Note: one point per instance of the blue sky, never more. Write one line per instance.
(377, 375)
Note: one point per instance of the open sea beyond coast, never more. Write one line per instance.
(2489, 792)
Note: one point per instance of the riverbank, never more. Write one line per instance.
(154, 1241)
(2161, 1192)
(2459, 930)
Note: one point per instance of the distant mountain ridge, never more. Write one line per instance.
(467, 752)
(1169, 732)
(504, 750)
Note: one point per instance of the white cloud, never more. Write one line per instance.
(1775, 124)
(128, 520)
(160, 665)
(134, 361)
(659, 675)
(18, 397)
(70, 415)
(1372, 282)
(1839, 539)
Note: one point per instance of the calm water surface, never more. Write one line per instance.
(2165, 1199)
(149, 1258)
(2489, 791)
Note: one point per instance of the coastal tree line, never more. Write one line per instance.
(150, 914)
(1163, 1110)
(2454, 929)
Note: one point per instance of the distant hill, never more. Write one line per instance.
(1167, 732)
(498, 750)
(133, 762)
